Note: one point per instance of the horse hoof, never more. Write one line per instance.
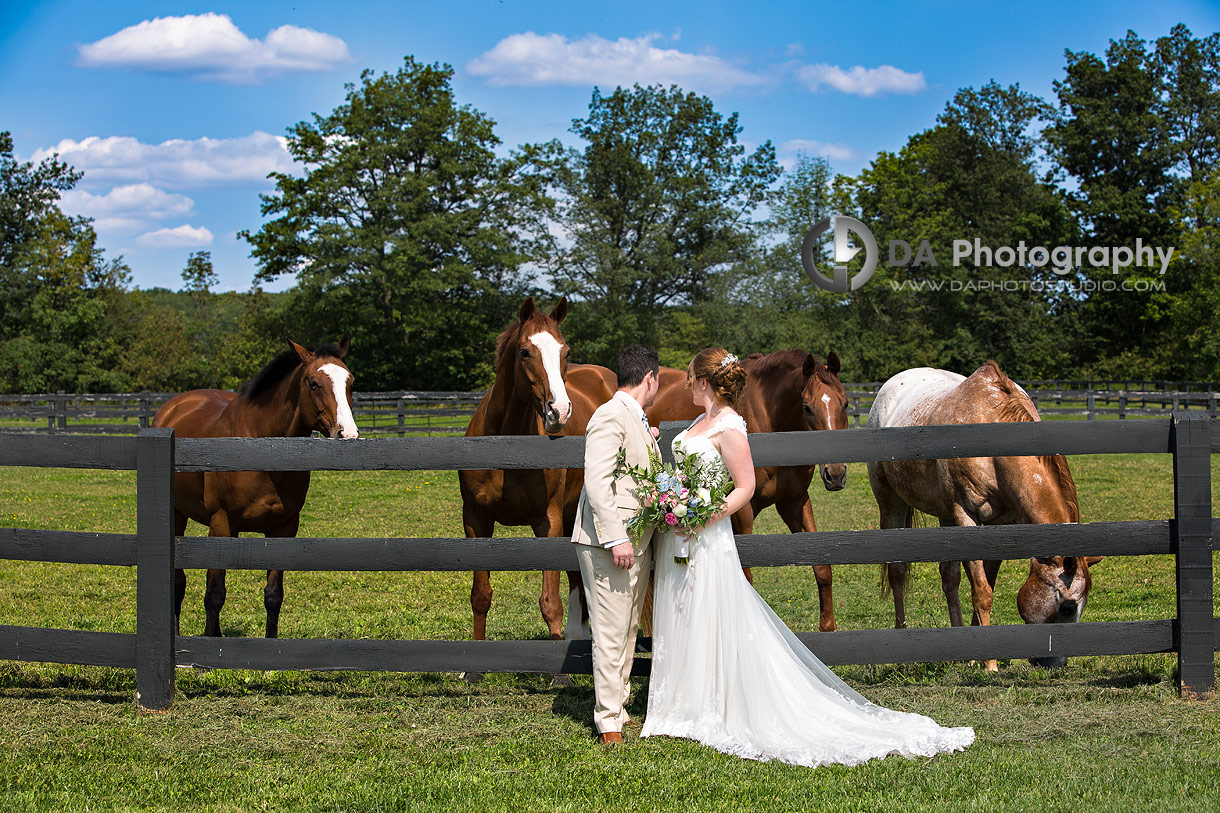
(561, 682)
(472, 677)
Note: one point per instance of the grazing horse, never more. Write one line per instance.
(535, 393)
(298, 392)
(977, 491)
(788, 391)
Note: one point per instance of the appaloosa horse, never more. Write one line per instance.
(977, 491)
(535, 393)
(788, 391)
(298, 392)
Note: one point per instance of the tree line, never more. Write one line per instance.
(408, 226)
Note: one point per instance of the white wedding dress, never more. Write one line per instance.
(728, 673)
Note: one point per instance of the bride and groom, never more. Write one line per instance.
(726, 671)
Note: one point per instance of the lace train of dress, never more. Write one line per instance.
(727, 672)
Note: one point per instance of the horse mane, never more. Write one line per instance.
(504, 338)
(791, 359)
(279, 368)
(1017, 408)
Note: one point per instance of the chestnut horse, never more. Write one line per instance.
(298, 392)
(977, 491)
(788, 391)
(535, 393)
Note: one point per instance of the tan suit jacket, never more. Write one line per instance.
(606, 501)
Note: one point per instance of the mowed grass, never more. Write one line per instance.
(1103, 733)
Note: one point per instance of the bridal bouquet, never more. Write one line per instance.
(680, 496)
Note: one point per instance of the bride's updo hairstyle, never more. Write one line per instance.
(722, 371)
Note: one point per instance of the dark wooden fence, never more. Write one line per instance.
(155, 454)
(409, 414)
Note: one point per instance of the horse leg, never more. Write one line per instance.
(549, 602)
(180, 520)
(578, 622)
(214, 593)
(950, 583)
(981, 596)
(479, 525)
(273, 593)
(894, 513)
(798, 516)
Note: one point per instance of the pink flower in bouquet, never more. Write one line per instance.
(671, 519)
(656, 433)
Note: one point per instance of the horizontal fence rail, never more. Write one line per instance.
(415, 413)
(156, 454)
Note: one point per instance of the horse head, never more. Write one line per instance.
(1057, 587)
(1055, 593)
(825, 403)
(325, 396)
(541, 359)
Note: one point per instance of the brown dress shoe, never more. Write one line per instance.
(611, 738)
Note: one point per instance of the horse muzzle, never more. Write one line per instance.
(834, 476)
(555, 418)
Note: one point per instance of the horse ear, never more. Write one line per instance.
(832, 362)
(302, 353)
(527, 309)
(561, 310)
(809, 366)
(345, 343)
(1092, 560)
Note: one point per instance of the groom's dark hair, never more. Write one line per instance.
(634, 362)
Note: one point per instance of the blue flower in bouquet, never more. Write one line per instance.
(664, 481)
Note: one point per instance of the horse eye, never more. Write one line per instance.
(525, 354)
(314, 385)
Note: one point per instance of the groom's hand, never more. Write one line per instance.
(624, 555)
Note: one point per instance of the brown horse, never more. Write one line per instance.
(535, 393)
(788, 391)
(977, 491)
(298, 392)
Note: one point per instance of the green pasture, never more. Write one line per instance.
(1105, 732)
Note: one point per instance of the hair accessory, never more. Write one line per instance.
(727, 360)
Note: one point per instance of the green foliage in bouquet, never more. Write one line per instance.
(681, 496)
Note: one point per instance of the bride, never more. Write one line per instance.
(726, 671)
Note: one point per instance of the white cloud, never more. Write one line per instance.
(179, 237)
(126, 207)
(553, 59)
(211, 47)
(175, 163)
(861, 81)
(831, 152)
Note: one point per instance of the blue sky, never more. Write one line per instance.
(176, 112)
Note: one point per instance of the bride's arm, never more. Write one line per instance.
(735, 449)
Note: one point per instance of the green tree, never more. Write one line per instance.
(63, 313)
(404, 228)
(659, 201)
(973, 176)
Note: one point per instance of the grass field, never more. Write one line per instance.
(1103, 733)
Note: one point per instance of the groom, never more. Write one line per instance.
(615, 571)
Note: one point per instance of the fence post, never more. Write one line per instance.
(1090, 404)
(145, 418)
(155, 569)
(1190, 442)
(1122, 406)
(61, 410)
